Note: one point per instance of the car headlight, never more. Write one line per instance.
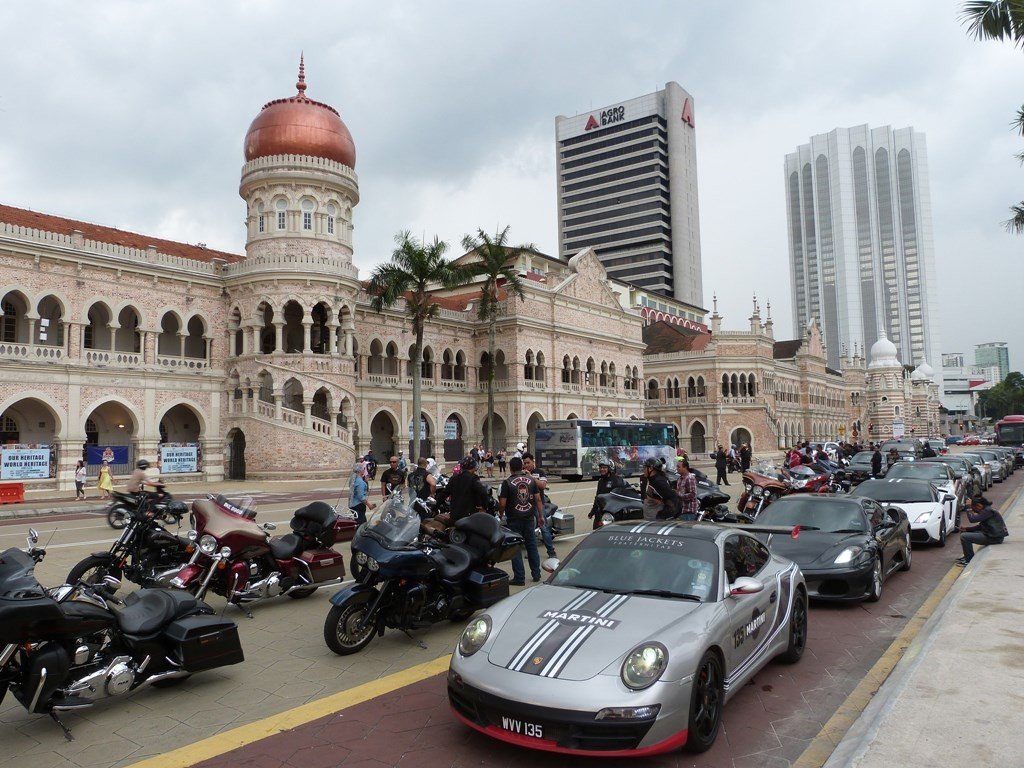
(848, 555)
(475, 635)
(207, 544)
(924, 517)
(644, 665)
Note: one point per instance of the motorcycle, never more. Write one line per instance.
(236, 557)
(120, 509)
(761, 487)
(145, 553)
(624, 502)
(65, 648)
(405, 581)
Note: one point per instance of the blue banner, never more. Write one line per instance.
(112, 454)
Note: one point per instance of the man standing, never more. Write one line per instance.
(606, 483)
(745, 455)
(721, 464)
(659, 498)
(392, 478)
(466, 493)
(421, 481)
(530, 467)
(520, 501)
(686, 488)
(876, 463)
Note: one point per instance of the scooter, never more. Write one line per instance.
(407, 581)
(63, 649)
(236, 557)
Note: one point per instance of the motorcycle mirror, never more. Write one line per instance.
(33, 537)
(269, 527)
(550, 565)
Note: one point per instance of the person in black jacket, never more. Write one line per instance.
(606, 483)
(660, 500)
(721, 465)
(466, 493)
(876, 463)
(990, 528)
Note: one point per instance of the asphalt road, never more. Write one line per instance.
(769, 723)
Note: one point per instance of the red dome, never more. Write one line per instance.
(300, 126)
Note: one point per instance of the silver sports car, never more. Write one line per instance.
(634, 644)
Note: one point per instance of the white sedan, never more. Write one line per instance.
(931, 512)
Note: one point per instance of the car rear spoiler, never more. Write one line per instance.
(789, 530)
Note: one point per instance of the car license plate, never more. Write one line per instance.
(522, 727)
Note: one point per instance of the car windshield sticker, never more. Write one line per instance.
(651, 542)
(547, 651)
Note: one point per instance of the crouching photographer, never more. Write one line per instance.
(990, 528)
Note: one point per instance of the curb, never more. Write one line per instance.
(14, 514)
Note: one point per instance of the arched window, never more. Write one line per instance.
(566, 370)
(701, 388)
(743, 385)
(734, 386)
(691, 387)
(281, 207)
(332, 213)
(307, 215)
(652, 389)
(725, 385)
(528, 368)
(538, 372)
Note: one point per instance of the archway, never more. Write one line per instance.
(698, 439)
(454, 432)
(109, 430)
(739, 436)
(496, 439)
(531, 431)
(382, 435)
(14, 307)
(28, 433)
(236, 455)
(426, 439)
(180, 430)
(50, 326)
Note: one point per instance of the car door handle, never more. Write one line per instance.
(773, 597)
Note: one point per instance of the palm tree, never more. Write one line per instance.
(496, 266)
(416, 271)
(1000, 20)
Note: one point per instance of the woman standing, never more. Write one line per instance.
(359, 490)
(104, 482)
(81, 473)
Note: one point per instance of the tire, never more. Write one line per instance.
(942, 533)
(117, 516)
(92, 570)
(462, 615)
(907, 556)
(875, 593)
(797, 631)
(301, 593)
(706, 700)
(339, 628)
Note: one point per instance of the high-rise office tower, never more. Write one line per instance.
(627, 186)
(860, 241)
(994, 353)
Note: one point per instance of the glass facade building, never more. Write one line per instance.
(994, 353)
(627, 187)
(860, 241)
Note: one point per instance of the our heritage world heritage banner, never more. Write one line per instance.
(177, 458)
(25, 463)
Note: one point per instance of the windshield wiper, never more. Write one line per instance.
(661, 593)
(608, 590)
(850, 530)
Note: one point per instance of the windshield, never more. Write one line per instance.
(394, 522)
(824, 514)
(895, 492)
(629, 562)
(919, 471)
(862, 458)
(1010, 434)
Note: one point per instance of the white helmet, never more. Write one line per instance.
(520, 446)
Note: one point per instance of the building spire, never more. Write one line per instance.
(301, 85)
(769, 310)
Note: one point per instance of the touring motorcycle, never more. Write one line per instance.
(624, 502)
(408, 581)
(120, 509)
(65, 648)
(236, 557)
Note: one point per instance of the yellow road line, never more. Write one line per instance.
(292, 718)
(821, 747)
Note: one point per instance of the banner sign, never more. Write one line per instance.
(899, 430)
(424, 435)
(181, 457)
(112, 454)
(451, 429)
(24, 463)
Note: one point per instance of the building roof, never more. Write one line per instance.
(785, 350)
(663, 337)
(45, 222)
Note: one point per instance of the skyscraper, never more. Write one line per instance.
(994, 353)
(627, 186)
(860, 240)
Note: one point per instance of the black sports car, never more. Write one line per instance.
(859, 469)
(846, 546)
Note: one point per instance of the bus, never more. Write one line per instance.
(1010, 433)
(573, 448)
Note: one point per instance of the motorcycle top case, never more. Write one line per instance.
(205, 642)
(24, 604)
(563, 522)
(486, 586)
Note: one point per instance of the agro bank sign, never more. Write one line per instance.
(25, 463)
(179, 457)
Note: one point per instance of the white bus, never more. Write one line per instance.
(573, 448)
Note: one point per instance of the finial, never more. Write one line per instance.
(301, 85)
(769, 310)
(755, 302)
(714, 301)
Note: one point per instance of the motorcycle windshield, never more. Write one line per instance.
(394, 523)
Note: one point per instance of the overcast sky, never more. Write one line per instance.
(132, 114)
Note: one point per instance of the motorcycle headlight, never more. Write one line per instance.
(475, 635)
(372, 564)
(193, 535)
(644, 665)
(361, 558)
(207, 544)
(848, 555)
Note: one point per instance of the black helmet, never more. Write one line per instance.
(652, 463)
(142, 464)
(468, 463)
(177, 509)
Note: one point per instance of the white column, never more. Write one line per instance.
(307, 325)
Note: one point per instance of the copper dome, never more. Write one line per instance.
(300, 126)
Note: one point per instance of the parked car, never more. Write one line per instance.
(969, 475)
(931, 512)
(996, 463)
(909, 450)
(983, 467)
(970, 440)
(859, 469)
(939, 474)
(954, 440)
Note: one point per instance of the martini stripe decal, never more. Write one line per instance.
(546, 629)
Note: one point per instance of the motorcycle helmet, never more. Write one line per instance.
(604, 463)
(142, 464)
(177, 509)
(652, 463)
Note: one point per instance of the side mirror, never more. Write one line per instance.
(948, 498)
(33, 537)
(745, 585)
(550, 565)
(269, 527)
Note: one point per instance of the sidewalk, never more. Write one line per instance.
(955, 696)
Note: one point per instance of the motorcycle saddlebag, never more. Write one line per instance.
(205, 642)
(508, 546)
(563, 523)
(486, 586)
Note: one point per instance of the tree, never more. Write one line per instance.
(415, 273)
(1004, 398)
(496, 265)
(1000, 20)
